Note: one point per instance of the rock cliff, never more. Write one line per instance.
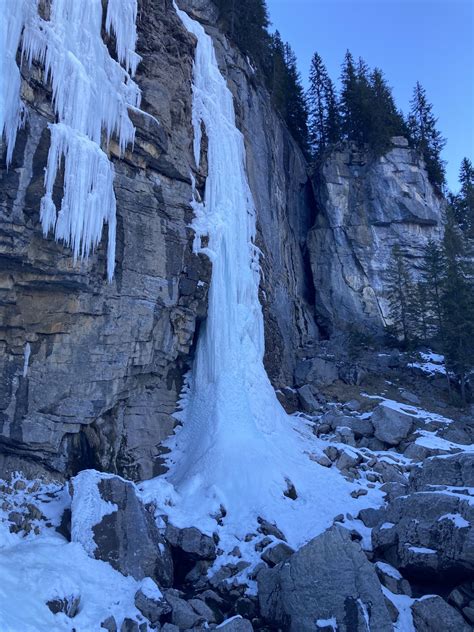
(90, 371)
(367, 205)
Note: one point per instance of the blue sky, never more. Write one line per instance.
(431, 41)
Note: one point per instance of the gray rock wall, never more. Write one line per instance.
(106, 361)
(365, 207)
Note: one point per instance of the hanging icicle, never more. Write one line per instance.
(91, 96)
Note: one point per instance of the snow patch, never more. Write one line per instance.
(457, 519)
(326, 623)
(88, 508)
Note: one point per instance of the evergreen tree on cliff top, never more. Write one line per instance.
(425, 137)
(368, 111)
(324, 121)
(296, 109)
(246, 22)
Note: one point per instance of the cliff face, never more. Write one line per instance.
(365, 207)
(90, 371)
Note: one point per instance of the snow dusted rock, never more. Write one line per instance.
(427, 532)
(360, 427)
(113, 525)
(391, 426)
(236, 624)
(190, 540)
(273, 555)
(150, 602)
(391, 579)
(433, 614)
(330, 577)
(68, 605)
(454, 471)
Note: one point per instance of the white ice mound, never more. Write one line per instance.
(91, 95)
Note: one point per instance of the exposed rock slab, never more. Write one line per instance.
(329, 577)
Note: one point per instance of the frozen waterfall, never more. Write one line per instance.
(91, 96)
(237, 451)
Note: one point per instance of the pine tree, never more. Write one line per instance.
(463, 202)
(246, 22)
(349, 97)
(458, 307)
(296, 109)
(425, 137)
(324, 124)
(432, 271)
(400, 298)
(418, 307)
(385, 121)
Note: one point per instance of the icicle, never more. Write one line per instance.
(88, 202)
(91, 95)
(121, 18)
(13, 19)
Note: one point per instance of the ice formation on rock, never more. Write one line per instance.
(91, 96)
(237, 449)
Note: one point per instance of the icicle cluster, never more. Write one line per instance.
(14, 16)
(91, 96)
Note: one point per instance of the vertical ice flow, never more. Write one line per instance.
(237, 448)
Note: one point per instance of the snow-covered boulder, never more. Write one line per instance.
(113, 525)
(391, 425)
(307, 587)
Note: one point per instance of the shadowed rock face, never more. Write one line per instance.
(106, 361)
(366, 206)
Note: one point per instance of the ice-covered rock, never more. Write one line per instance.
(113, 525)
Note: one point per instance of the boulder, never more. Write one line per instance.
(113, 525)
(330, 577)
(427, 533)
(433, 614)
(456, 470)
(275, 554)
(392, 579)
(150, 601)
(307, 400)
(183, 615)
(359, 426)
(190, 540)
(236, 624)
(391, 426)
(317, 371)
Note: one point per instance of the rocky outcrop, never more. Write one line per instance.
(365, 206)
(305, 591)
(90, 372)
